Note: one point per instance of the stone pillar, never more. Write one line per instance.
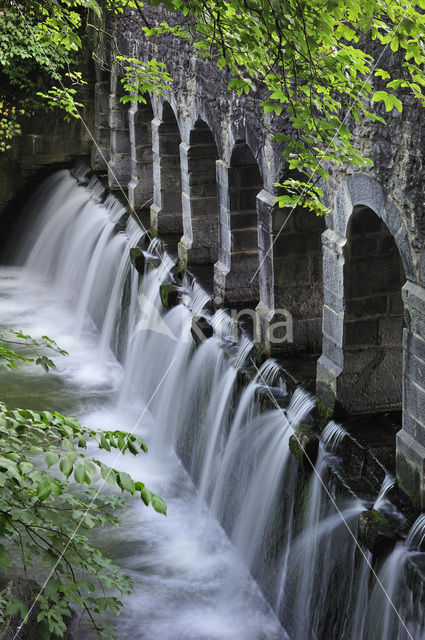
(166, 211)
(100, 150)
(331, 362)
(265, 308)
(119, 170)
(140, 187)
(411, 439)
(199, 243)
(222, 266)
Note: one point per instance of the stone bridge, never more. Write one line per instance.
(202, 162)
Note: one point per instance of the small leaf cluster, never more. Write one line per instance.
(45, 518)
(10, 358)
(141, 77)
(39, 43)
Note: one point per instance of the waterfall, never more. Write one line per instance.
(252, 514)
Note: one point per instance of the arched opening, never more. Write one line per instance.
(200, 203)
(245, 182)
(140, 187)
(166, 211)
(298, 274)
(373, 316)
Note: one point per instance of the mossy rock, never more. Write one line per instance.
(137, 259)
(261, 354)
(304, 445)
(324, 414)
(169, 295)
(375, 532)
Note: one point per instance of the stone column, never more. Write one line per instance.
(166, 211)
(140, 187)
(331, 362)
(222, 266)
(411, 439)
(265, 308)
(199, 243)
(119, 171)
(100, 150)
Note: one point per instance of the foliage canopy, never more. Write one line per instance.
(312, 58)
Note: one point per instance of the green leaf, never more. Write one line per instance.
(51, 458)
(159, 504)
(145, 495)
(104, 443)
(66, 466)
(44, 490)
(80, 473)
(126, 482)
(389, 99)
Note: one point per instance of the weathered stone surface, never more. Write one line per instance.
(375, 533)
(304, 445)
(170, 295)
(137, 258)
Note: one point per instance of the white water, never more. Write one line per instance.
(191, 580)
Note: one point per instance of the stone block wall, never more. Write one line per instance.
(339, 280)
(204, 160)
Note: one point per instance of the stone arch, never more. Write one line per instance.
(140, 187)
(363, 190)
(166, 210)
(199, 243)
(366, 260)
(373, 315)
(237, 272)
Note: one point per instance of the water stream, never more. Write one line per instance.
(237, 514)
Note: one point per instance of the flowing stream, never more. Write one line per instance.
(221, 463)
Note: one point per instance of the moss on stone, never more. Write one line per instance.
(378, 520)
(375, 532)
(304, 445)
(169, 295)
(261, 353)
(415, 499)
(324, 413)
(295, 449)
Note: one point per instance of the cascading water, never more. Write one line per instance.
(308, 598)
(76, 284)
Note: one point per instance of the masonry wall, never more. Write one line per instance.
(322, 271)
(202, 162)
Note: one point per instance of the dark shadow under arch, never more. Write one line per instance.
(373, 316)
(245, 182)
(200, 192)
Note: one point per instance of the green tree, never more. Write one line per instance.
(44, 518)
(310, 56)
